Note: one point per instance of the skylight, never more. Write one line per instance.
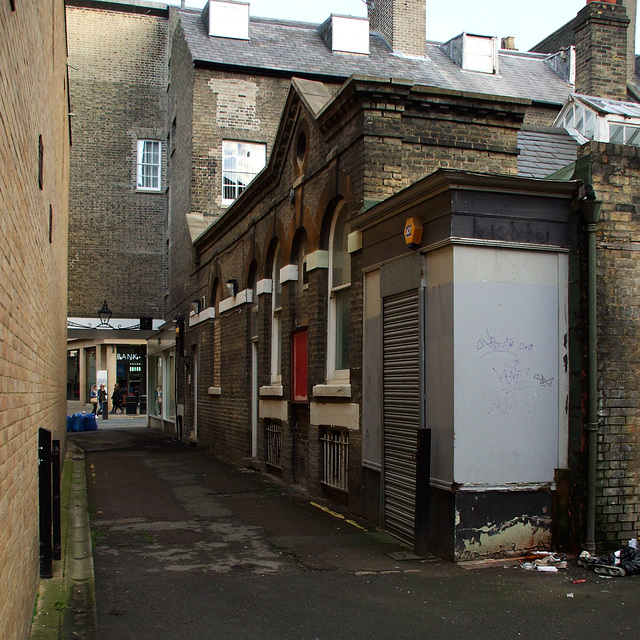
(587, 118)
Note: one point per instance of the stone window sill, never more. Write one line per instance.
(271, 390)
(332, 390)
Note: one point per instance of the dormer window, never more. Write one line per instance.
(479, 54)
(345, 34)
(227, 19)
(474, 53)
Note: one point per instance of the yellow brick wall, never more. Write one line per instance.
(33, 282)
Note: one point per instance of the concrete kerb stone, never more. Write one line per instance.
(66, 604)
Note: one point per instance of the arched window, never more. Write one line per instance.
(339, 339)
(276, 320)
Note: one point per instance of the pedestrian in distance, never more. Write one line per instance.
(116, 399)
(94, 398)
(102, 400)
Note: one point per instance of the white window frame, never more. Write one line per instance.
(235, 163)
(480, 54)
(146, 165)
(333, 373)
(630, 132)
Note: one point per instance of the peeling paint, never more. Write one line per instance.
(520, 533)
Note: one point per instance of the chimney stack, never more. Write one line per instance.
(601, 50)
(402, 23)
(508, 43)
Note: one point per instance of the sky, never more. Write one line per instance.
(528, 22)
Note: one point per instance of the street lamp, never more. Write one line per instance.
(105, 315)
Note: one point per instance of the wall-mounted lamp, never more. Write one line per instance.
(196, 306)
(232, 287)
(105, 315)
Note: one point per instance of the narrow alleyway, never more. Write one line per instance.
(187, 547)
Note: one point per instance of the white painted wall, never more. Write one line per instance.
(510, 385)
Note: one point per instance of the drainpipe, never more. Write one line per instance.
(591, 210)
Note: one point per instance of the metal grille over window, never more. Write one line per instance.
(274, 443)
(149, 165)
(335, 459)
(241, 162)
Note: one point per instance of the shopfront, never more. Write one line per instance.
(131, 370)
(161, 379)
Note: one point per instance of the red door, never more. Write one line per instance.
(299, 392)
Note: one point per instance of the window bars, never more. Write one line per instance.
(335, 459)
(274, 443)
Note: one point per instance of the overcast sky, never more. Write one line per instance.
(528, 22)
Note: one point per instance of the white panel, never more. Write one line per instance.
(289, 273)
(264, 286)
(276, 409)
(318, 260)
(206, 314)
(507, 360)
(354, 241)
(349, 35)
(335, 415)
(229, 19)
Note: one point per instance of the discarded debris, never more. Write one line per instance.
(546, 562)
(624, 562)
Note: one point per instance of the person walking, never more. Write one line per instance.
(116, 399)
(102, 400)
(94, 398)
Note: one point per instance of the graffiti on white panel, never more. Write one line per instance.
(514, 380)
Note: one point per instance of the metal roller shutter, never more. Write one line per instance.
(402, 410)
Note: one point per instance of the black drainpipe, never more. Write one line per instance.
(591, 210)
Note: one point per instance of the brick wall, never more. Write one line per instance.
(601, 51)
(118, 79)
(33, 250)
(180, 113)
(615, 174)
(377, 141)
(409, 139)
(209, 106)
(540, 116)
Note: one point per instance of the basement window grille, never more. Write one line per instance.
(335, 459)
(274, 443)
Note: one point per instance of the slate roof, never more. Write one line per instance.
(544, 151)
(294, 48)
